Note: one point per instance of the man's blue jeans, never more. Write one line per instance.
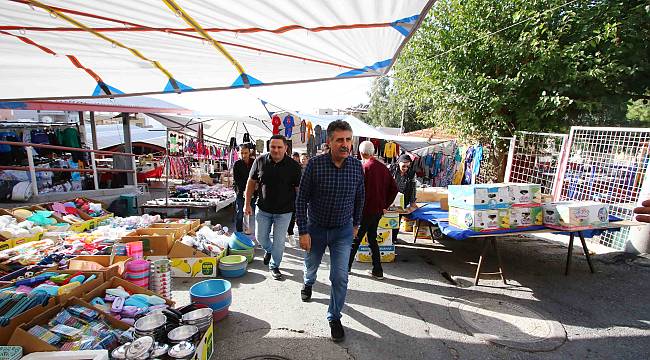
(339, 241)
(280, 223)
(239, 214)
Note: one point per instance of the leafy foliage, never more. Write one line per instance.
(484, 68)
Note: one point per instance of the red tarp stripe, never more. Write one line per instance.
(87, 70)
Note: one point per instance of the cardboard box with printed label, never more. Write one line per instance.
(109, 265)
(525, 193)
(390, 220)
(383, 237)
(480, 196)
(573, 215)
(524, 216)
(479, 220)
(386, 254)
(186, 261)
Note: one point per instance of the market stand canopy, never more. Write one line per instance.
(79, 48)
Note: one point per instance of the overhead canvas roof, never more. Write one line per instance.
(111, 135)
(222, 128)
(81, 48)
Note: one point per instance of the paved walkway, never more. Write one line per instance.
(418, 313)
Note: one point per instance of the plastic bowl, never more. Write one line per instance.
(214, 293)
(239, 241)
(232, 273)
(220, 313)
(232, 260)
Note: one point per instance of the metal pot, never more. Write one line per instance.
(159, 350)
(119, 353)
(140, 349)
(183, 333)
(182, 351)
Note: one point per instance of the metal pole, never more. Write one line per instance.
(32, 172)
(167, 164)
(93, 130)
(94, 165)
(128, 147)
(511, 155)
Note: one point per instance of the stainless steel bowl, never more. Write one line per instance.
(183, 333)
(197, 315)
(150, 323)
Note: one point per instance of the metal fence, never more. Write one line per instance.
(535, 158)
(607, 165)
(603, 164)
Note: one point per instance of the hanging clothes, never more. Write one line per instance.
(259, 146)
(318, 130)
(310, 129)
(469, 156)
(478, 157)
(311, 146)
(390, 151)
(288, 126)
(303, 129)
(459, 171)
(276, 122)
(246, 138)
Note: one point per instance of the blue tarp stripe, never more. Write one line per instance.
(409, 20)
(99, 91)
(239, 82)
(376, 66)
(170, 88)
(16, 105)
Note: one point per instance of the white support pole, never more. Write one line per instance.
(638, 237)
(94, 166)
(135, 171)
(32, 172)
(563, 160)
(511, 154)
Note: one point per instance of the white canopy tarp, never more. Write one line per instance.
(111, 135)
(79, 48)
(222, 128)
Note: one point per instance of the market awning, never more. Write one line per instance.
(78, 48)
(135, 104)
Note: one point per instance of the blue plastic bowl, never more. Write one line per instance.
(232, 273)
(239, 241)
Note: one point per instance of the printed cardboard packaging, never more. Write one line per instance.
(525, 193)
(480, 196)
(574, 215)
(479, 220)
(525, 216)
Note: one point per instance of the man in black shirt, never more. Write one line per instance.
(240, 172)
(278, 177)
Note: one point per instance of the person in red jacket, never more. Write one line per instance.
(381, 190)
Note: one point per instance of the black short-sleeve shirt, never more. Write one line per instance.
(277, 183)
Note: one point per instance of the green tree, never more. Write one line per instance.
(484, 68)
(388, 109)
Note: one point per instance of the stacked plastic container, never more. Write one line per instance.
(137, 270)
(160, 276)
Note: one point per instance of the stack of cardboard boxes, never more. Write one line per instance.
(572, 215)
(485, 207)
(386, 247)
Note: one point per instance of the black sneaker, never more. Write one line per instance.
(275, 272)
(338, 334)
(267, 258)
(305, 293)
(376, 274)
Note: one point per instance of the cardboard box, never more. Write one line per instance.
(398, 202)
(444, 203)
(525, 193)
(524, 216)
(30, 343)
(186, 261)
(390, 220)
(110, 266)
(479, 220)
(480, 196)
(576, 215)
(6, 242)
(423, 231)
(386, 254)
(383, 237)
(194, 224)
(205, 347)
(8, 330)
(155, 242)
(181, 229)
(430, 194)
(131, 288)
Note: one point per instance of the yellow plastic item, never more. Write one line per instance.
(66, 289)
